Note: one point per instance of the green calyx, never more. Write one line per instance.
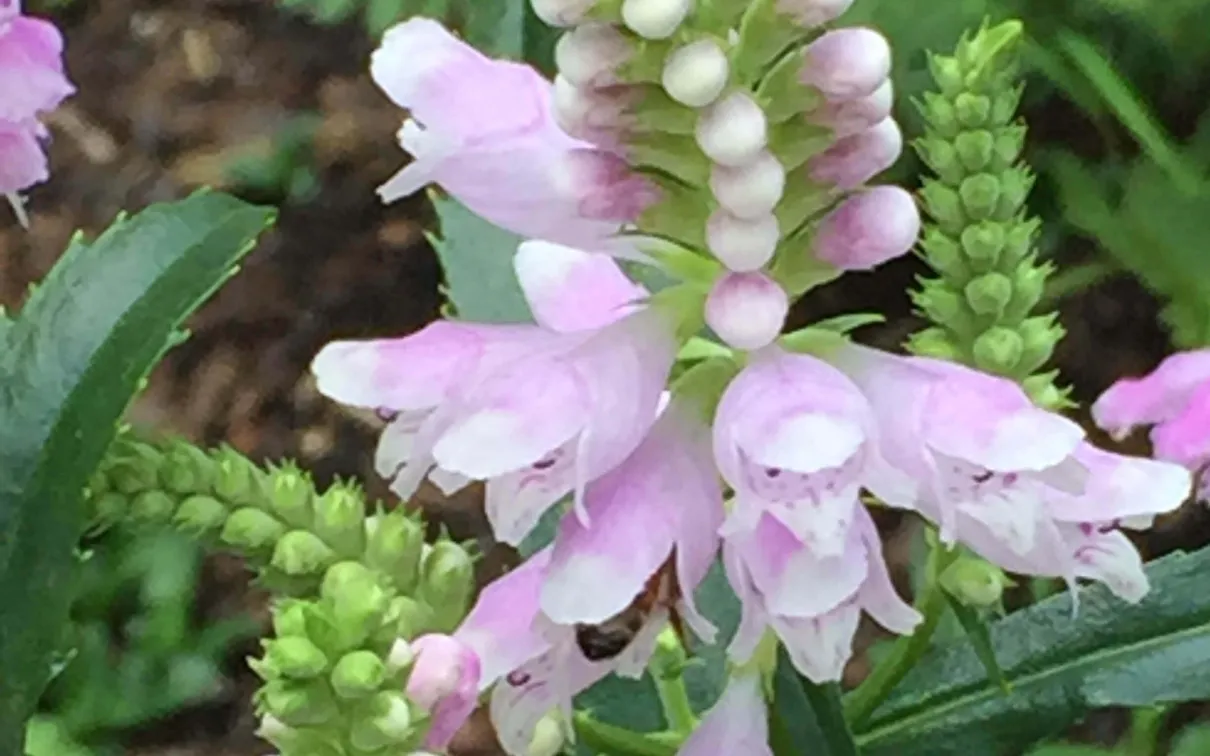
(979, 240)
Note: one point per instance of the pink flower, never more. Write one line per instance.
(662, 506)
(537, 411)
(868, 228)
(1015, 483)
(795, 438)
(1175, 399)
(444, 682)
(32, 82)
(485, 131)
(737, 725)
(811, 600)
(747, 310)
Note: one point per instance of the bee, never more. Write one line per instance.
(608, 639)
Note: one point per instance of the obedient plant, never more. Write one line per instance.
(682, 475)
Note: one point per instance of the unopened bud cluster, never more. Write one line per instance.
(358, 587)
(759, 130)
(981, 241)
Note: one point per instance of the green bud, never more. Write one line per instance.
(948, 74)
(408, 618)
(1042, 390)
(109, 508)
(940, 304)
(997, 350)
(446, 583)
(358, 603)
(944, 204)
(975, 582)
(1019, 241)
(237, 480)
(940, 155)
(982, 243)
(1010, 142)
(975, 149)
(980, 196)
(298, 704)
(1015, 186)
(136, 471)
(940, 114)
(152, 508)
(989, 293)
(358, 674)
(936, 343)
(289, 618)
(973, 110)
(200, 515)
(1004, 104)
(1029, 283)
(295, 658)
(291, 496)
(1039, 335)
(252, 530)
(394, 543)
(388, 722)
(186, 469)
(340, 520)
(945, 256)
(299, 553)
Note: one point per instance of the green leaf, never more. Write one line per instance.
(1059, 667)
(497, 27)
(1194, 741)
(1070, 749)
(478, 262)
(71, 363)
(806, 718)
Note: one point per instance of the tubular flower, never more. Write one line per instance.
(737, 725)
(444, 682)
(812, 601)
(653, 529)
(537, 411)
(475, 121)
(32, 83)
(1175, 399)
(1015, 483)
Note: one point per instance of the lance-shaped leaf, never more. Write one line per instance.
(1058, 667)
(70, 364)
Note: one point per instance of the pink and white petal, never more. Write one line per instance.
(397, 446)
(1158, 396)
(514, 418)
(449, 483)
(623, 370)
(821, 519)
(23, 162)
(1012, 521)
(754, 620)
(529, 693)
(633, 661)
(516, 501)
(878, 597)
(1185, 438)
(572, 290)
(792, 580)
(1110, 558)
(1050, 556)
(502, 627)
(820, 647)
(1122, 488)
(737, 724)
(31, 55)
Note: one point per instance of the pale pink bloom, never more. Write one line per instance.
(485, 131)
(848, 117)
(795, 438)
(737, 724)
(537, 411)
(747, 310)
(32, 83)
(846, 64)
(868, 229)
(1175, 399)
(856, 159)
(1014, 482)
(811, 600)
(444, 682)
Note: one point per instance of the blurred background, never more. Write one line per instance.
(272, 101)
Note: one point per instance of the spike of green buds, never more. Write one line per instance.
(979, 241)
(446, 583)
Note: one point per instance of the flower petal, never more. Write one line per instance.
(516, 501)
(820, 647)
(1158, 396)
(1185, 438)
(1121, 487)
(1109, 557)
(572, 290)
(737, 724)
(529, 693)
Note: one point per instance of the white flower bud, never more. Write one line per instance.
(562, 12)
(742, 244)
(401, 654)
(854, 160)
(655, 19)
(750, 190)
(696, 74)
(589, 55)
(747, 310)
(732, 130)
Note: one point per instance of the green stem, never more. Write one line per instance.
(1147, 722)
(931, 603)
(611, 739)
(667, 669)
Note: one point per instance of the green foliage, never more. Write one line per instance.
(806, 718)
(72, 360)
(284, 173)
(1058, 668)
